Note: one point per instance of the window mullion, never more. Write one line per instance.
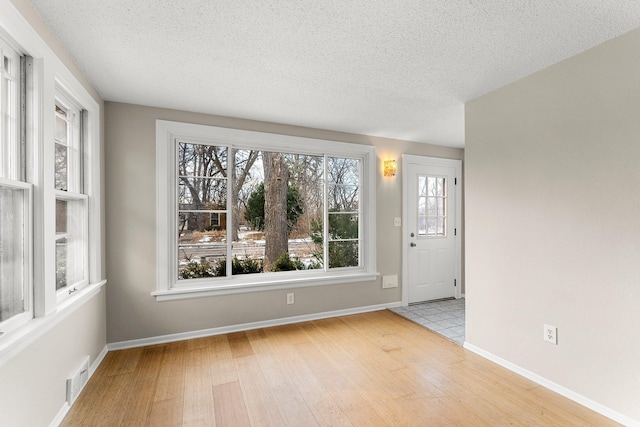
(361, 201)
(231, 156)
(325, 213)
(175, 210)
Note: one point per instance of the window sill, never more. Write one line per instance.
(14, 342)
(204, 288)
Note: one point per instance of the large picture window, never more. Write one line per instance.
(251, 211)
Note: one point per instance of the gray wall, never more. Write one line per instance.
(33, 382)
(133, 313)
(553, 223)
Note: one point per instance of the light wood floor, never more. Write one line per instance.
(370, 369)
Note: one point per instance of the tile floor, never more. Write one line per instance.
(445, 317)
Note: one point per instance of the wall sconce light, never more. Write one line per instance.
(390, 168)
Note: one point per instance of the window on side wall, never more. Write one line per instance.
(16, 305)
(240, 211)
(71, 241)
(50, 204)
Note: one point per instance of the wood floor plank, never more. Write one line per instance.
(137, 408)
(166, 413)
(224, 371)
(230, 409)
(122, 361)
(344, 390)
(171, 376)
(572, 410)
(240, 345)
(198, 404)
(370, 369)
(290, 401)
(320, 401)
(262, 407)
(219, 348)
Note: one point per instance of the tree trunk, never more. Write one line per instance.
(276, 181)
(234, 203)
(238, 181)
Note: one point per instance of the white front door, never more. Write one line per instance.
(431, 237)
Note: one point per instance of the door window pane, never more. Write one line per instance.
(432, 221)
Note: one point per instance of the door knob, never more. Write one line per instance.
(413, 235)
(413, 245)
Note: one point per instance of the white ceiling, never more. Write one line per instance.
(394, 68)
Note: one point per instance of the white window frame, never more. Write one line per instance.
(15, 175)
(168, 285)
(79, 243)
(47, 74)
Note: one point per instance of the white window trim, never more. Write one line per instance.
(64, 84)
(49, 73)
(168, 287)
(77, 189)
(68, 291)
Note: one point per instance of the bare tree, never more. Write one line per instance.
(242, 166)
(202, 186)
(343, 193)
(276, 180)
(202, 170)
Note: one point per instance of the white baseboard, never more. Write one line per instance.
(246, 326)
(98, 361)
(60, 416)
(570, 394)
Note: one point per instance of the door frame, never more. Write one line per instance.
(430, 161)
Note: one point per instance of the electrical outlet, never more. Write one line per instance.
(290, 298)
(397, 222)
(390, 281)
(551, 334)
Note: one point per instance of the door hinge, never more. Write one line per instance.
(455, 282)
(455, 181)
(455, 231)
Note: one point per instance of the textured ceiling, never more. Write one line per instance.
(394, 68)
